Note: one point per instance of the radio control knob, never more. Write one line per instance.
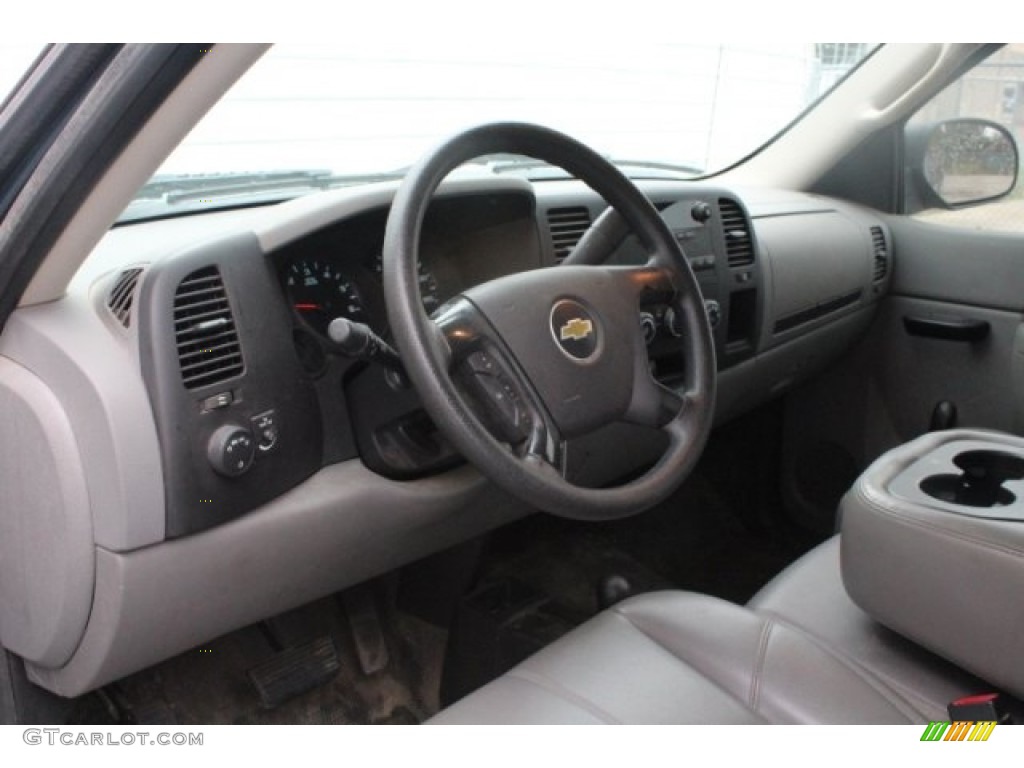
(673, 323)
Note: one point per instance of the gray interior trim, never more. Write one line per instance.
(915, 372)
(94, 374)
(341, 527)
(815, 251)
(814, 258)
(778, 370)
(963, 266)
(46, 551)
(951, 582)
(801, 155)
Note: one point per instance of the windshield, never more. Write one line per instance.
(306, 118)
(14, 61)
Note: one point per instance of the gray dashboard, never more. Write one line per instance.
(120, 545)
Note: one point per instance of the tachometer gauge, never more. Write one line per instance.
(320, 292)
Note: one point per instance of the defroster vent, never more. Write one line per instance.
(881, 252)
(122, 295)
(739, 243)
(567, 226)
(204, 330)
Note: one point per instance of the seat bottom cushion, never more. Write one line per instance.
(678, 657)
(810, 595)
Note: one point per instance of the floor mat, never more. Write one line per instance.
(210, 685)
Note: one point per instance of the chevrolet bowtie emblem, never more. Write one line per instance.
(576, 329)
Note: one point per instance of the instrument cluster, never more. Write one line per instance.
(326, 286)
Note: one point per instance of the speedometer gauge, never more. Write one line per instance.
(320, 292)
(428, 283)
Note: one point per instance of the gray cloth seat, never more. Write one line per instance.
(800, 652)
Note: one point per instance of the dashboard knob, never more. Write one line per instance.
(701, 211)
(231, 450)
(714, 312)
(649, 326)
(673, 323)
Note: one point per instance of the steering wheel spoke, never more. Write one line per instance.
(600, 240)
(546, 449)
(501, 395)
(647, 284)
(654, 404)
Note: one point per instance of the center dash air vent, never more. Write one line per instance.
(122, 295)
(567, 226)
(881, 251)
(739, 245)
(204, 330)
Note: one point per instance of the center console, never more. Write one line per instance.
(933, 548)
(977, 478)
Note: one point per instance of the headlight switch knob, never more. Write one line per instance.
(231, 450)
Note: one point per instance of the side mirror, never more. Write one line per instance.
(961, 162)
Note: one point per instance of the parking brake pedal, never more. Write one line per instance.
(366, 630)
(294, 671)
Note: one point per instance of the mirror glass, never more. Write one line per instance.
(968, 161)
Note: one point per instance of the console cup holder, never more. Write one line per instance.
(981, 482)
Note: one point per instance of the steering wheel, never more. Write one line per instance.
(512, 368)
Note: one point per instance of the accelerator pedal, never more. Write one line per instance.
(367, 633)
(294, 671)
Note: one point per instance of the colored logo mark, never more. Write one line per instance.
(576, 329)
(967, 730)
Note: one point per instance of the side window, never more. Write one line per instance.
(961, 163)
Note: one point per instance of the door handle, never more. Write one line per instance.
(948, 328)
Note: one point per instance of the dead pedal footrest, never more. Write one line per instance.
(294, 671)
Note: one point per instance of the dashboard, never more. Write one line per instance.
(218, 460)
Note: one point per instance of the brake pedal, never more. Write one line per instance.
(294, 671)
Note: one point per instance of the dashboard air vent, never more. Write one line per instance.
(567, 226)
(881, 251)
(739, 245)
(204, 330)
(122, 295)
